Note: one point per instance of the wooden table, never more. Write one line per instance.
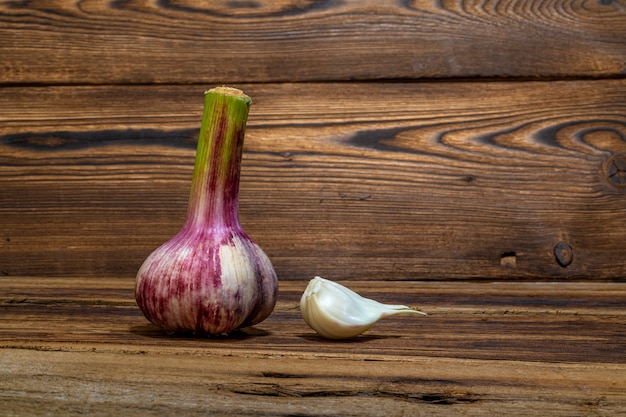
(467, 158)
(76, 346)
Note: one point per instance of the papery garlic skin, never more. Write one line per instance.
(211, 278)
(213, 287)
(336, 312)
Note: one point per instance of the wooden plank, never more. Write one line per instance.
(73, 346)
(136, 41)
(36, 383)
(373, 181)
(498, 321)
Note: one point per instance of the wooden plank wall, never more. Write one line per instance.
(388, 140)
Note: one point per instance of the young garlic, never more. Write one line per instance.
(336, 312)
(211, 278)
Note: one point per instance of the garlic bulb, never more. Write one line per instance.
(336, 312)
(211, 278)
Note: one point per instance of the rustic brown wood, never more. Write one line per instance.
(75, 346)
(488, 189)
(136, 41)
(361, 180)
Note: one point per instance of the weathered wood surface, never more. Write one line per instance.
(376, 182)
(187, 41)
(385, 181)
(80, 346)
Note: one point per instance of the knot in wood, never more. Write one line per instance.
(564, 254)
(615, 170)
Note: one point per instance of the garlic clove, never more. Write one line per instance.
(336, 312)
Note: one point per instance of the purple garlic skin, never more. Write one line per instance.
(207, 282)
(211, 278)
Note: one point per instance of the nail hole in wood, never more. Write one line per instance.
(564, 254)
(508, 260)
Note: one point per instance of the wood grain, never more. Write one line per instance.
(349, 181)
(497, 321)
(152, 384)
(187, 41)
(78, 346)
(487, 188)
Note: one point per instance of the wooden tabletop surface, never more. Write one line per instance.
(467, 158)
(71, 346)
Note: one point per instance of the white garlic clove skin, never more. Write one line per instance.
(336, 312)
